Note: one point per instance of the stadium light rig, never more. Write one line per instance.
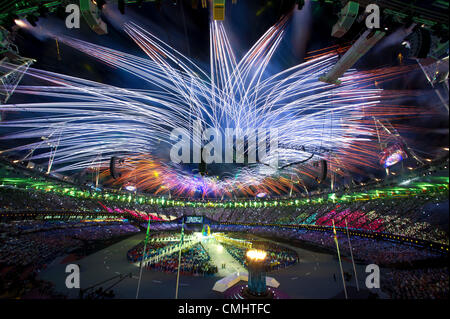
(392, 155)
(364, 43)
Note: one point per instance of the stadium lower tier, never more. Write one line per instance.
(34, 254)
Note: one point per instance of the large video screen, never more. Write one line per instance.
(194, 219)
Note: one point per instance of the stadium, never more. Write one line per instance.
(232, 150)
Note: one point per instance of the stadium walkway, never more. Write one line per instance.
(219, 256)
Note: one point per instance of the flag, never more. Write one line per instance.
(182, 232)
(334, 233)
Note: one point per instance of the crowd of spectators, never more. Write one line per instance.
(17, 199)
(195, 261)
(403, 280)
(26, 247)
(167, 226)
(24, 254)
(364, 249)
(20, 227)
(403, 216)
(429, 283)
(30, 200)
(38, 248)
(22, 282)
(152, 249)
